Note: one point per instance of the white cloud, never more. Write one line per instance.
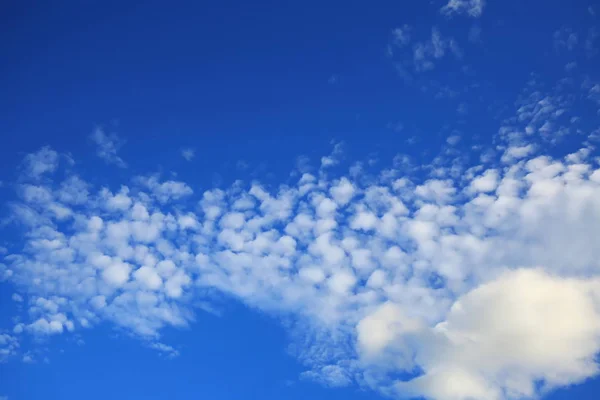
(165, 191)
(17, 298)
(117, 273)
(37, 164)
(28, 358)
(168, 351)
(472, 8)
(565, 38)
(45, 327)
(388, 272)
(426, 54)
(107, 147)
(383, 328)
(517, 152)
(503, 337)
(188, 153)
(148, 277)
(9, 346)
(333, 158)
(401, 35)
(329, 375)
(343, 191)
(486, 182)
(453, 140)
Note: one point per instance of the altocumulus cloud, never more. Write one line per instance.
(472, 281)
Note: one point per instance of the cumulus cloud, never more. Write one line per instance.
(107, 146)
(165, 191)
(470, 280)
(9, 346)
(505, 336)
(43, 161)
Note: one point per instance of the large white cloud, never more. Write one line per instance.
(502, 338)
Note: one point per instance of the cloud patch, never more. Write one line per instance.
(107, 147)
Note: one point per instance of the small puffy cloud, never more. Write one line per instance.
(17, 298)
(343, 191)
(486, 182)
(46, 327)
(28, 358)
(565, 38)
(165, 191)
(118, 202)
(36, 164)
(117, 273)
(364, 220)
(472, 8)
(188, 153)
(401, 36)
(334, 158)
(341, 282)
(107, 147)
(73, 190)
(426, 54)
(453, 140)
(148, 277)
(517, 152)
(9, 346)
(436, 190)
(98, 302)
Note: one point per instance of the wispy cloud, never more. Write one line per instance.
(425, 53)
(565, 38)
(401, 36)
(472, 8)
(188, 153)
(107, 147)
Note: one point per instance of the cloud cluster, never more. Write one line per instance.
(472, 280)
(9, 346)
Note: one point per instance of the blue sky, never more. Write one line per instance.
(300, 200)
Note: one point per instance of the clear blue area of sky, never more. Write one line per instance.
(258, 81)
